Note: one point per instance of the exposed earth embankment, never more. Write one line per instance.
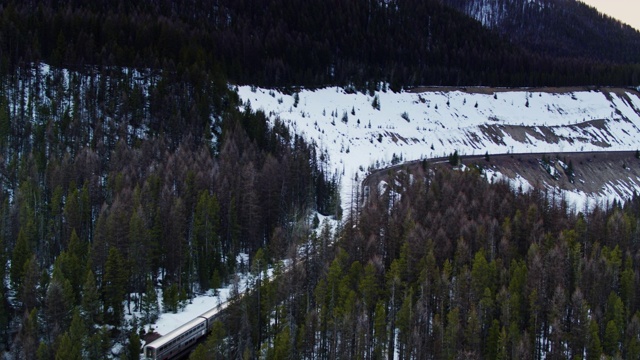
(579, 177)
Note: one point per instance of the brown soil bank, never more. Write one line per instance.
(492, 90)
(588, 172)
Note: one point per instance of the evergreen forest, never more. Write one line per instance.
(116, 182)
(129, 165)
(305, 43)
(452, 267)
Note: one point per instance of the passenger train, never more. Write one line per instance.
(177, 342)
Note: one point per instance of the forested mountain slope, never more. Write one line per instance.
(561, 28)
(129, 165)
(116, 181)
(443, 264)
(278, 43)
(440, 263)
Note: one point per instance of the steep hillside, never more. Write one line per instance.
(368, 131)
(115, 183)
(580, 179)
(583, 179)
(290, 43)
(565, 28)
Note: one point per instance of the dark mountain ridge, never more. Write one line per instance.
(294, 42)
(558, 28)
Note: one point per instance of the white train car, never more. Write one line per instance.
(177, 341)
(211, 315)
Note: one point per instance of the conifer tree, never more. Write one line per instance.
(451, 334)
(58, 304)
(72, 269)
(68, 350)
(369, 288)
(19, 257)
(4, 315)
(171, 298)
(200, 353)
(91, 301)
(282, 344)
(376, 102)
(454, 158)
(611, 338)
(480, 274)
(206, 237)
(72, 212)
(502, 350)
(44, 351)
(149, 306)
(493, 341)
(5, 122)
(28, 292)
(214, 348)
(517, 291)
(594, 346)
(3, 256)
(99, 344)
(26, 342)
(115, 282)
(472, 332)
(627, 284)
(632, 343)
(380, 330)
(134, 344)
(615, 312)
(404, 321)
(78, 329)
(137, 254)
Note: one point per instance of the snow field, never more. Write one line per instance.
(412, 126)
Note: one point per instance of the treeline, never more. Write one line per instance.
(117, 182)
(293, 43)
(448, 266)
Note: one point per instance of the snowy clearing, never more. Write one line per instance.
(408, 126)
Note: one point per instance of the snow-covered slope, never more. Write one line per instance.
(436, 122)
(492, 13)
